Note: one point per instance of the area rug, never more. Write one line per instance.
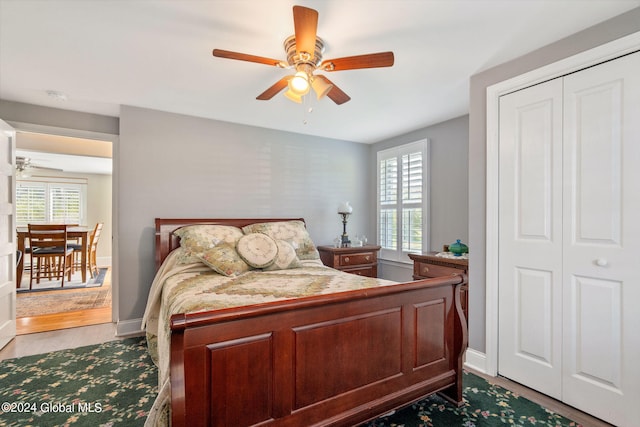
(75, 283)
(109, 384)
(38, 303)
(115, 383)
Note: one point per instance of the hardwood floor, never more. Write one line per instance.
(56, 321)
(69, 319)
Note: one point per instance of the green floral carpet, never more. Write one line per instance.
(486, 404)
(109, 384)
(115, 383)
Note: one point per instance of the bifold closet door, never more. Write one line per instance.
(530, 274)
(601, 240)
(569, 254)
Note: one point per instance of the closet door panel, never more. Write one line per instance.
(531, 237)
(601, 269)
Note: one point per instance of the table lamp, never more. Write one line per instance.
(345, 210)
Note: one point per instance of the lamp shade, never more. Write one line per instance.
(345, 207)
(321, 87)
(293, 96)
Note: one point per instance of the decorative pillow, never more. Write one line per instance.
(225, 260)
(286, 258)
(197, 238)
(257, 249)
(291, 231)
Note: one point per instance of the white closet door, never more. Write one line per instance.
(530, 273)
(601, 347)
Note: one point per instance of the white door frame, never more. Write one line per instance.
(8, 243)
(115, 147)
(568, 65)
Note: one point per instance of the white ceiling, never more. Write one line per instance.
(65, 162)
(157, 54)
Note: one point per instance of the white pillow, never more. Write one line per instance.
(257, 249)
(286, 258)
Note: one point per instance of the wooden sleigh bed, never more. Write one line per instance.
(335, 359)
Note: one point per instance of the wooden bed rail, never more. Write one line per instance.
(338, 359)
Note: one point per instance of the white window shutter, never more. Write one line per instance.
(402, 201)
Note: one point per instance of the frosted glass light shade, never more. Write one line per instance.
(345, 207)
(293, 96)
(299, 83)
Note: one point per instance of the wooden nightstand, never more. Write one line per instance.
(428, 265)
(361, 260)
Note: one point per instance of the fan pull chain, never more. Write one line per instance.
(307, 108)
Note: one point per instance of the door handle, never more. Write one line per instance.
(601, 262)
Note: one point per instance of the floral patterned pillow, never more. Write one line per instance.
(257, 249)
(198, 238)
(291, 231)
(286, 257)
(225, 260)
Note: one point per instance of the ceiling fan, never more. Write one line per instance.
(304, 52)
(24, 163)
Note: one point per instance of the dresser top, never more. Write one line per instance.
(352, 249)
(431, 257)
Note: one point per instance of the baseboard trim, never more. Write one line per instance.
(103, 261)
(129, 328)
(476, 360)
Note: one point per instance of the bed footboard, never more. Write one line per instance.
(339, 359)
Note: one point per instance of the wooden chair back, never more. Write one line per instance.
(46, 236)
(51, 255)
(93, 246)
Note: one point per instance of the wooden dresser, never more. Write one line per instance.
(361, 260)
(429, 265)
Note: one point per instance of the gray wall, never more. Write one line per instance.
(448, 178)
(171, 165)
(55, 117)
(597, 35)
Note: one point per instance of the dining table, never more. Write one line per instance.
(73, 232)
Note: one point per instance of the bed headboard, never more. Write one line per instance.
(166, 241)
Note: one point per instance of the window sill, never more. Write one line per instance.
(395, 263)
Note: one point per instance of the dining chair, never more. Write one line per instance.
(91, 251)
(93, 247)
(51, 257)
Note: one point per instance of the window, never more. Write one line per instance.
(402, 200)
(42, 201)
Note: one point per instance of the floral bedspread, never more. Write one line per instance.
(189, 288)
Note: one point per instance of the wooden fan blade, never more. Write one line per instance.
(372, 60)
(273, 90)
(244, 57)
(305, 21)
(335, 94)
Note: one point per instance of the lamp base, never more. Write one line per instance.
(345, 243)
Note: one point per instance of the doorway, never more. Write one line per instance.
(66, 163)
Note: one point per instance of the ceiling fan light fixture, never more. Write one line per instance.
(321, 87)
(293, 96)
(299, 83)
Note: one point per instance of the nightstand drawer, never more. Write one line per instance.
(431, 270)
(361, 260)
(346, 260)
(371, 271)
